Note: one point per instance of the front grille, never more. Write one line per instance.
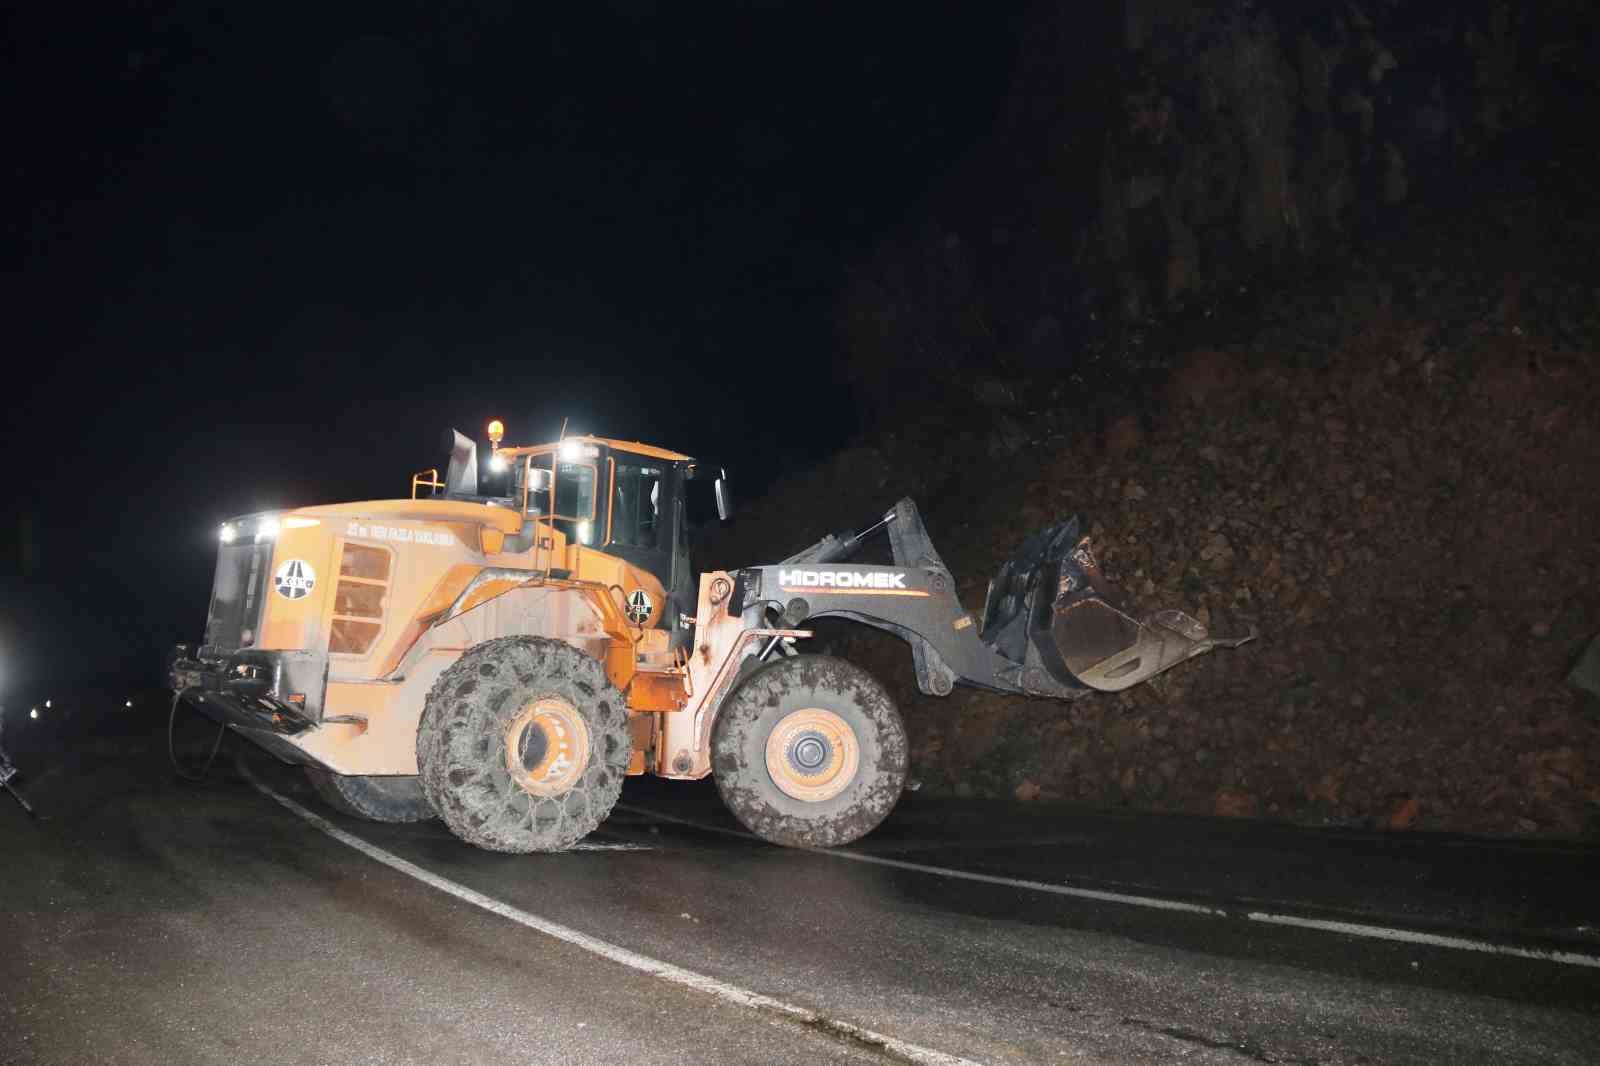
(238, 595)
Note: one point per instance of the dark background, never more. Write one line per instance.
(261, 255)
(1295, 300)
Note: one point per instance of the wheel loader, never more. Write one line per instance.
(503, 659)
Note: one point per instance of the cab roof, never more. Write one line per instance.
(622, 446)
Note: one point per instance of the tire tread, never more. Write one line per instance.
(460, 719)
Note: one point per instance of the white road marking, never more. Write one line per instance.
(585, 845)
(700, 982)
(1407, 936)
(995, 844)
(1101, 895)
(1373, 932)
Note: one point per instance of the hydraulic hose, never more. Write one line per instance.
(172, 751)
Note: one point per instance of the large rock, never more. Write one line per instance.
(1585, 673)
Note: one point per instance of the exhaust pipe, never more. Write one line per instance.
(462, 476)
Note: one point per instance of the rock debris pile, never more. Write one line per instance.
(1417, 539)
(1414, 531)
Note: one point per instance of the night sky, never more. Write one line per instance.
(263, 256)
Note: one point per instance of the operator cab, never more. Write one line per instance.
(622, 498)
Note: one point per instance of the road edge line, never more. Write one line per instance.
(1361, 929)
(666, 971)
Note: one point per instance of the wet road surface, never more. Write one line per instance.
(151, 921)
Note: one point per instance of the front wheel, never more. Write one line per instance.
(809, 752)
(523, 745)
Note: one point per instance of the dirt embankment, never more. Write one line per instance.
(1306, 322)
(1415, 532)
(1418, 539)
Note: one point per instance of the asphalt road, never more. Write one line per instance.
(151, 921)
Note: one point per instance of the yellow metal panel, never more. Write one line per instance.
(292, 624)
(652, 691)
(590, 564)
(643, 728)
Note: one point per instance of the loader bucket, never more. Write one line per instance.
(1076, 626)
(1109, 650)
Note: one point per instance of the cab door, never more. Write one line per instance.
(646, 500)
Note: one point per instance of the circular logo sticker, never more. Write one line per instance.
(295, 579)
(639, 607)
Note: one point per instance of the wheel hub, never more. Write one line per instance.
(547, 747)
(809, 752)
(812, 754)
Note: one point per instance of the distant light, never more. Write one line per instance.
(497, 463)
(47, 705)
(34, 713)
(266, 530)
(227, 534)
(497, 430)
(127, 703)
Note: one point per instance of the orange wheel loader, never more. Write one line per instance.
(502, 660)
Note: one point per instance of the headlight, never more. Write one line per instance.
(227, 534)
(266, 530)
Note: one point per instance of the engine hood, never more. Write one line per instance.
(487, 515)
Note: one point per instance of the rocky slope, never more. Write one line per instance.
(1394, 470)
(1418, 539)
(1298, 303)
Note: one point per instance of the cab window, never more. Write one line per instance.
(573, 509)
(636, 506)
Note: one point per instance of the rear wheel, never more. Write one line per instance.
(377, 799)
(523, 745)
(809, 752)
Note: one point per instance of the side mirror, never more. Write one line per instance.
(724, 496)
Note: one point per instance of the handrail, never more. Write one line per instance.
(433, 481)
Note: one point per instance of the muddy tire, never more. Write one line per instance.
(523, 745)
(377, 799)
(809, 752)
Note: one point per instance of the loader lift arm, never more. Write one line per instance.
(1051, 625)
